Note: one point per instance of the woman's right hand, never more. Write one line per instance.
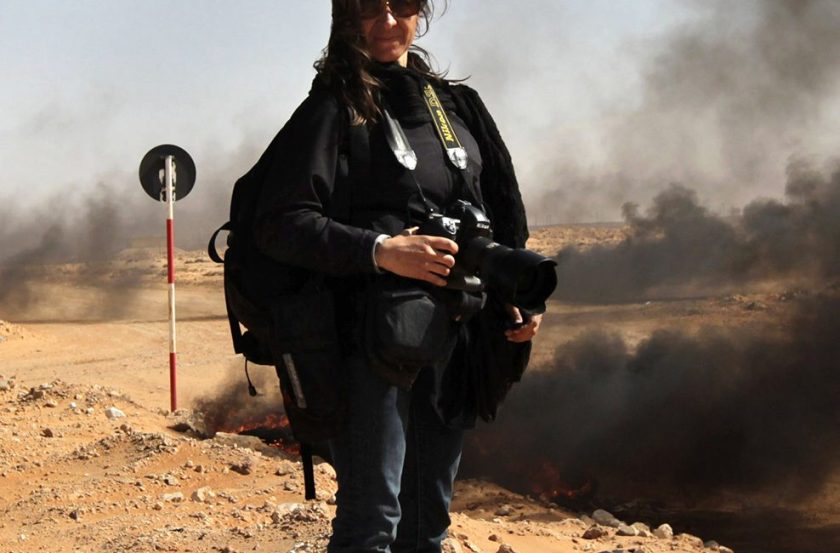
(418, 256)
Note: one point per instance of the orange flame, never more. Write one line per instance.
(548, 481)
(271, 421)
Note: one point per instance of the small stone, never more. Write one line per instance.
(158, 506)
(626, 530)
(642, 529)
(176, 497)
(594, 532)
(201, 495)
(493, 537)
(327, 470)
(504, 510)
(690, 539)
(472, 547)
(189, 464)
(170, 480)
(505, 548)
(47, 433)
(664, 532)
(73, 405)
(4, 385)
(114, 413)
(51, 403)
(244, 468)
(451, 545)
(605, 518)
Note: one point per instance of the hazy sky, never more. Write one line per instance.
(90, 85)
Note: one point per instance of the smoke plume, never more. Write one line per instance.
(89, 226)
(232, 407)
(679, 246)
(727, 97)
(748, 408)
(741, 409)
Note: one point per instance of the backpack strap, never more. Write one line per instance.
(211, 247)
(354, 148)
(356, 145)
(308, 471)
(235, 331)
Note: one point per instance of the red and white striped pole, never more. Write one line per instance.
(169, 169)
(163, 170)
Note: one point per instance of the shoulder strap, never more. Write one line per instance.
(455, 151)
(354, 144)
(499, 186)
(308, 471)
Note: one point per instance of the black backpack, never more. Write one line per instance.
(268, 298)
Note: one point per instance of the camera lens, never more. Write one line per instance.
(521, 277)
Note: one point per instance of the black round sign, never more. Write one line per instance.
(152, 167)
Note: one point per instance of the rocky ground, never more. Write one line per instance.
(86, 468)
(90, 458)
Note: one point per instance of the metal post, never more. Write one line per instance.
(169, 169)
(167, 174)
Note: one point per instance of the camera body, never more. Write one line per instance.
(463, 223)
(520, 277)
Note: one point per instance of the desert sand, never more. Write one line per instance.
(91, 459)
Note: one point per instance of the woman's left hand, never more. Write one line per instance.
(525, 332)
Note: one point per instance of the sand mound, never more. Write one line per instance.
(87, 468)
(11, 331)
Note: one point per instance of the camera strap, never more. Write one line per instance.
(398, 142)
(455, 151)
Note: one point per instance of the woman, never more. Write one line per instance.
(398, 454)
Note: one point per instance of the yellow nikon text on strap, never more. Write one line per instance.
(457, 154)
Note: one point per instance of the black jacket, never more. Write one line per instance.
(293, 224)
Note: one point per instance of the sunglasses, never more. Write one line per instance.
(369, 9)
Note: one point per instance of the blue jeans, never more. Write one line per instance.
(395, 464)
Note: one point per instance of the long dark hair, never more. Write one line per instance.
(344, 65)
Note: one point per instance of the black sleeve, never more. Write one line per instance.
(499, 186)
(291, 224)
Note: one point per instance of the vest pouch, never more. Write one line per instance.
(309, 364)
(407, 327)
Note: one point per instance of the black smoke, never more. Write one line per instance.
(681, 247)
(737, 409)
(76, 236)
(749, 408)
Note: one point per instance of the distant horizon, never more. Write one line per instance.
(601, 103)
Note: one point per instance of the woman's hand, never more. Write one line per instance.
(526, 331)
(427, 258)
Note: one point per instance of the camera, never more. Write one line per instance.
(518, 276)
